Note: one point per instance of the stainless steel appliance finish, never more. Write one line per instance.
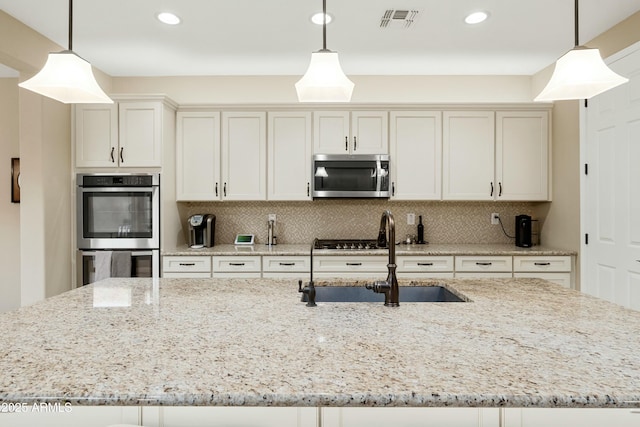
(118, 211)
(143, 264)
(351, 175)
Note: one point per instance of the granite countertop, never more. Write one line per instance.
(479, 249)
(517, 343)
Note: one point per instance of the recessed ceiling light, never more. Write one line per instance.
(317, 18)
(168, 18)
(476, 17)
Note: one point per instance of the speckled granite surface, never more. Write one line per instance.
(430, 249)
(519, 342)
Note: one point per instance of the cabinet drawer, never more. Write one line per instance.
(484, 263)
(233, 264)
(482, 275)
(562, 279)
(347, 264)
(542, 263)
(285, 263)
(187, 275)
(419, 264)
(186, 264)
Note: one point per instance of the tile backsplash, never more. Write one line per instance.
(301, 222)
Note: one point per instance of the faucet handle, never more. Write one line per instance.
(309, 291)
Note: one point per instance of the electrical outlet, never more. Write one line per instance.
(272, 217)
(495, 218)
(411, 219)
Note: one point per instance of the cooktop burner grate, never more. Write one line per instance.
(346, 244)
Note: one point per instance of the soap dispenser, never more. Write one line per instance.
(420, 232)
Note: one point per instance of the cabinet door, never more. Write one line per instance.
(468, 155)
(59, 415)
(140, 134)
(331, 132)
(198, 156)
(416, 155)
(369, 132)
(571, 417)
(289, 154)
(409, 417)
(224, 416)
(522, 155)
(244, 156)
(96, 135)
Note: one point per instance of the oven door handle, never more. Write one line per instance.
(118, 189)
(134, 252)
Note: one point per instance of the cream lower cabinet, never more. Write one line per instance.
(282, 266)
(483, 266)
(350, 266)
(556, 269)
(424, 267)
(410, 417)
(171, 416)
(571, 417)
(43, 415)
(236, 267)
(191, 267)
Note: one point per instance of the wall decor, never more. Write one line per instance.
(15, 180)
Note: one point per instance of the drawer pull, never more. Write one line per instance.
(237, 264)
(354, 264)
(187, 264)
(635, 411)
(427, 264)
(484, 263)
(541, 263)
(288, 264)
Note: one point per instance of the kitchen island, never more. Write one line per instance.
(206, 342)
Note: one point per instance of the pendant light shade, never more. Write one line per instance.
(324, 80)
(579, 74)
(67, 78)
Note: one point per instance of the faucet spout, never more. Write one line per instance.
(390, 286)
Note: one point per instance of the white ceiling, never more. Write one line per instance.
(271, 37)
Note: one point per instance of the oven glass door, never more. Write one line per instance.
(351, 178)
(143, 264)
(111, 218)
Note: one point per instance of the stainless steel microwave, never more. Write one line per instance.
(350, 175)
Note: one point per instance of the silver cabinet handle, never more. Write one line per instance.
(541, 263)
(236, 264)
(187, 264)
(425, 263)
(354, 264)
(484, 263)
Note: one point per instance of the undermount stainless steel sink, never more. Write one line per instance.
(362, 294)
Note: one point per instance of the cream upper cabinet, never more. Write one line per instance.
(468, 155)
(198, 156)
(355, 132)
(125, 134)
(244, 155)
(415, 147)
(289, 156)
(522, 155)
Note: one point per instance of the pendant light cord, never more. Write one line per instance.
(324, 25)
(71, 24)
(575, 26)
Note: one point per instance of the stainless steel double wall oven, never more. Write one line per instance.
(116, 213)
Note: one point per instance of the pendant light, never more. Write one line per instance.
(324, 80)
(580, 74)
(67, 78)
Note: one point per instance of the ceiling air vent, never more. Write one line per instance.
(398, 18)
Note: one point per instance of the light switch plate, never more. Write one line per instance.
(272, 217)
(411, 219)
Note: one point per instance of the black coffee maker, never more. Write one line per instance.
(523, 231)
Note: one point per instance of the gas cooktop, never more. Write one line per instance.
(346, 244)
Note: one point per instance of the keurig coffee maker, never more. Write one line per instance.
(201, 230)
(523, 231)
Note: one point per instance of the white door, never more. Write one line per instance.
(468, 155)
(369, 132)
(96, 135)
(416, 155)
(522, 155)
(244, 156)
(611, 209)
(289, 156)
(140, 134)
(331, 132)
(198, 156)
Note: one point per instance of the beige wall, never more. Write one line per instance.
(9, 212)
(562, 223)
